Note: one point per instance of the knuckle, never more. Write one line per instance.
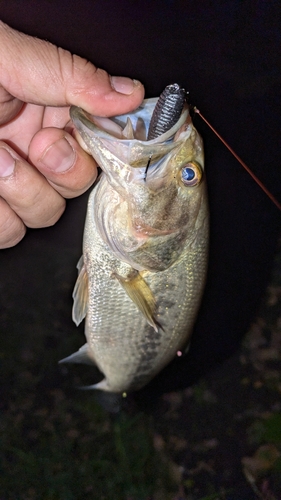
(56, 216)
(49, 216)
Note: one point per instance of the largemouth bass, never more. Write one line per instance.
(145, 246)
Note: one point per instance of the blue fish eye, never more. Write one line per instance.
(191, 174)
(187, 174)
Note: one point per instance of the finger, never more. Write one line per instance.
(12, 229)
(55, 117)
(58, 156)
(9, 105)
(36, 71)
(27, 192)
(18, 133)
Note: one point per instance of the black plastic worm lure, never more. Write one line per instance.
(167, 111)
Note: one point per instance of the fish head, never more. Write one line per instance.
(157, 186)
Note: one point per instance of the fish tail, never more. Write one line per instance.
(109, 401)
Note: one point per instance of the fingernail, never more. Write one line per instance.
(59, 157)
(7, 163)
(124, 85)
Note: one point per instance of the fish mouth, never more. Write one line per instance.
(126, 136)
(136, 125)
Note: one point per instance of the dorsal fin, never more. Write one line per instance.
(140, 293)
(80, 294)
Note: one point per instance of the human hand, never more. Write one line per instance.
(41, 163)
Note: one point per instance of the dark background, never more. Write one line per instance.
(227, 55)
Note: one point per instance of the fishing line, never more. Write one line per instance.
(261, 185)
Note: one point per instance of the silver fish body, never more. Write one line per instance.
(145, 246)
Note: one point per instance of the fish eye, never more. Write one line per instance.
(191, 174)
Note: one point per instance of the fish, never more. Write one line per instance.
(145, 246)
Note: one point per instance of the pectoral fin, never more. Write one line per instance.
(80, 294)
(140, 293)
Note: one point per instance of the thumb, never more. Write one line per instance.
(36, 71)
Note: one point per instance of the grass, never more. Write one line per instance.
(56, 451)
